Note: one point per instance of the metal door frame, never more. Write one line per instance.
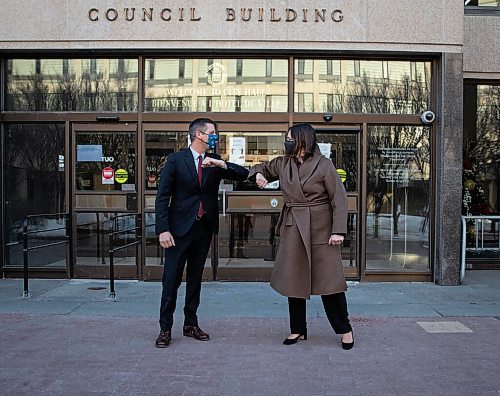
(359, 130)
(72, 129)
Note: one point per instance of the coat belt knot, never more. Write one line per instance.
(286, 214)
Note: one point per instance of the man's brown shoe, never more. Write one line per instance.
(163, 339)
(196, 333)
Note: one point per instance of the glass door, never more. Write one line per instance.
(246, 245)
(34, 184)
(398, 197)
(160, 140)
(341, 145)
(104, 184)
(246, 242)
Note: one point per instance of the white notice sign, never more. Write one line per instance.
(326, 149)
(237, 150)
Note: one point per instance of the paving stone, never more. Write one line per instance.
(444, 327)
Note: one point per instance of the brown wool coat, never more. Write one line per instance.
(315, 207)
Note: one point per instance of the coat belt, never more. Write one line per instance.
(286, 211)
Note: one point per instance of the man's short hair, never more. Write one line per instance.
(200, 124)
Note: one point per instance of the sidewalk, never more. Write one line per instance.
(411, 338)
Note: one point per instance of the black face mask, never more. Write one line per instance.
(289, 146)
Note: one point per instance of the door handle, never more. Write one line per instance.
(224, 202)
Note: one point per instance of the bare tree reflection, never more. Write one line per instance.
(32, 171)
(482, 148)
(87, 90)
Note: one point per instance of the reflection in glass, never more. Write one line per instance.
(92, 239)
(97, 152)
(398, 193)
(483, 3)
(362, 86)
(241, 85)
(248, 235)
(248, 149)
(481, 168)
(481, 172)
(34, 184)
(159, 145)
(342, 150)
(349, 247)
(155, 254)
(71, 84)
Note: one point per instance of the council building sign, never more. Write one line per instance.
(228, 14)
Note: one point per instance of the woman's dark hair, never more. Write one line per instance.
(305, 139)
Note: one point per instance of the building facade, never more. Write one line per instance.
(95, 96)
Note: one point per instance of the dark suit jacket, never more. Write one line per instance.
(179, 193)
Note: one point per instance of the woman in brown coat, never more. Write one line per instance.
(312, 226)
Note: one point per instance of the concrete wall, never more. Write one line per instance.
(482, 46)
(448, 171)
(366, 25)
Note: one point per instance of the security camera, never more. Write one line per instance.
(428, 117)
(327, 117)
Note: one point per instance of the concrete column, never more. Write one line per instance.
(449, 146)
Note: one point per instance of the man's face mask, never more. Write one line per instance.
(289, 146)
(213, 139)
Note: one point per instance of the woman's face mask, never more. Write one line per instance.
(289, 146)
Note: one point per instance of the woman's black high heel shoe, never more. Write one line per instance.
(348, 345)
(290, 341)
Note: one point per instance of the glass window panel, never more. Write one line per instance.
(98, 150)
(159, 145)
(248, 149)
(397, 70)
(240, 85)
(359, 86)
(248, 235)
(122, 66)
(92, 239)
(23, 67)
(72, 85)
(167, 69)
(371, 69)
(254, 68)
(280, 68)
(344, 155)
(308, 67)
(328, 68)
(51, 67)
(481, 168)
(398, 194)
(31, 161)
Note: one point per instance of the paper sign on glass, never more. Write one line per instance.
(326, 149)
(89, 152)
(237, 150)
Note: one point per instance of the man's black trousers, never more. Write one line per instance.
(192, 249)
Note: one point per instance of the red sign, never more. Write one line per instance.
(108, 173)
(152, 178)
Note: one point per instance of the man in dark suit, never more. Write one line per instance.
(187, 215)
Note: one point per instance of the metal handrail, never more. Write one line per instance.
(476, 219)
(27, 249)
(112, 249)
